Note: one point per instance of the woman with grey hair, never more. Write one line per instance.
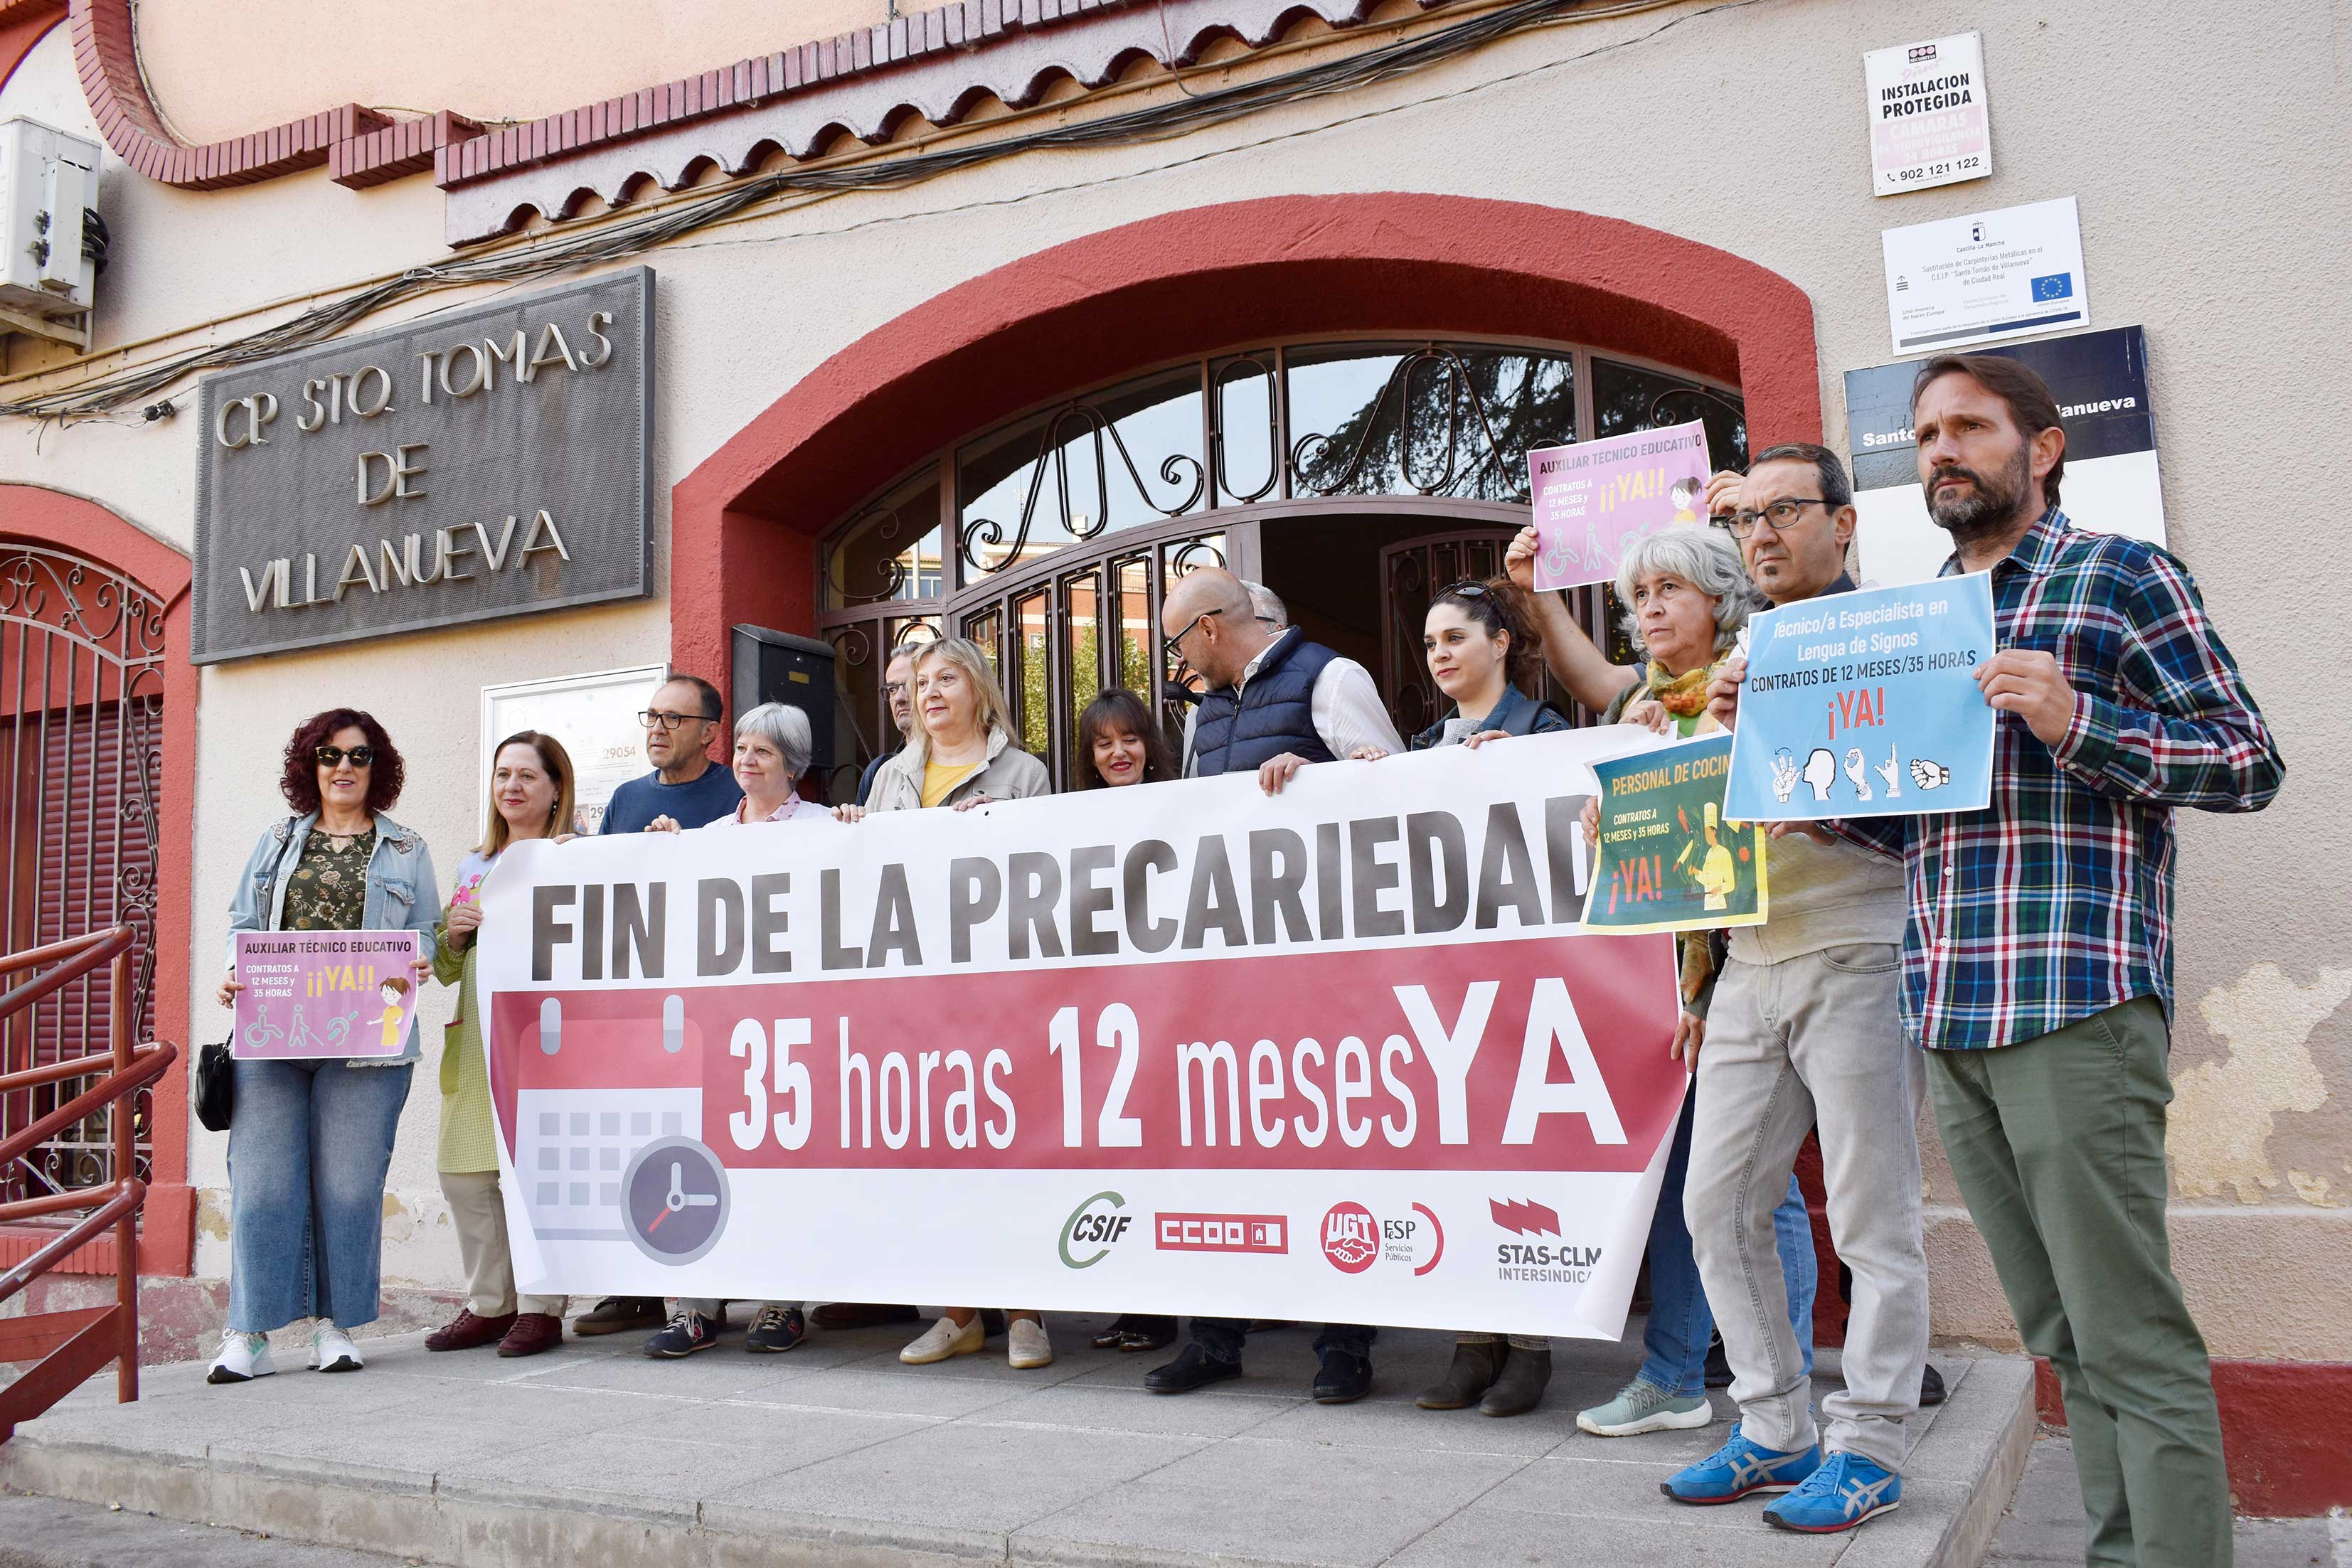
(1697, 560)
(1685, 598)
(772, 748)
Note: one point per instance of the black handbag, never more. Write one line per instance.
(215, 1087)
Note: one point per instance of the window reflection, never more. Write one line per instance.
(1439, 419)
(1629, 397)
(890, 550)
(1129, 455)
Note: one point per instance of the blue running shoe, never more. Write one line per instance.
(1847, 1491)
(1740, 1468)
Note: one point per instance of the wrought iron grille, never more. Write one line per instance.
(81, 702)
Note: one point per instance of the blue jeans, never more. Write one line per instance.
(308, 1144)
(1680, 1319)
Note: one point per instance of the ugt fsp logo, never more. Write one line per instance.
(1093, 1227)
(1351, 1237)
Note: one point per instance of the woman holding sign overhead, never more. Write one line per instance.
(960, 755)
(530, 798)
(311, 1137)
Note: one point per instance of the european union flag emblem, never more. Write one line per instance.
(2057, 286)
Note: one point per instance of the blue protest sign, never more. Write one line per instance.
(1865, 704)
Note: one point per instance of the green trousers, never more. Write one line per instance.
(2058, 1144)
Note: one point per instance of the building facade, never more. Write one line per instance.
(982, 319)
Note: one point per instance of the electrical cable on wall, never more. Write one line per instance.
(615, 241)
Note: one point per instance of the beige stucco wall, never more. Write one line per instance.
(219, 68)
(2207, 156)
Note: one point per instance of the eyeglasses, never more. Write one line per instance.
(654, 718)
(1171, 651)
(1468, 588)
(332, 756)
(1781, 514)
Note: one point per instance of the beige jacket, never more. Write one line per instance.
(1009, 774)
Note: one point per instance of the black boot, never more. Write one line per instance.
(1475, 1366)
(1521, 1387)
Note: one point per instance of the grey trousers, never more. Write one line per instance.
(1813, 1041)
(480, 1216)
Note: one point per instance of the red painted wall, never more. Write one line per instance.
(167, 1234)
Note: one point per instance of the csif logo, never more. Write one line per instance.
(1094, 1228)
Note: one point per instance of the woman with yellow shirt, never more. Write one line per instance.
(960, 755)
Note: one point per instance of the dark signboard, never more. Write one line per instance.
(2100, 380)
(470, 465)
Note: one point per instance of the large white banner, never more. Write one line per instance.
(1342, 1054)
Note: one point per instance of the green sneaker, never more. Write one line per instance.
(1646, 1407)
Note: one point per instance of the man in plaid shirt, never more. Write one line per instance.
(2038, 957)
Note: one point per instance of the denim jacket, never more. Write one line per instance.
(401, 894)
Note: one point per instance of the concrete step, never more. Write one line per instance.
(836, 1454)
(50, 1532)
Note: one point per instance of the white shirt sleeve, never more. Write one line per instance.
(1347, 710)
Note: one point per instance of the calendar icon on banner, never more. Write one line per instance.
(576, 1145)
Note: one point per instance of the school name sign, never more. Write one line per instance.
(1179, 1049)
(472, 464)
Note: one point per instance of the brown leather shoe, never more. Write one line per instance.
(533, 1333)
(861, 1315)
(465, 1330)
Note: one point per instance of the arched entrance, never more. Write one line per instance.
(1354, 477)
(97, 706)
(745, 523)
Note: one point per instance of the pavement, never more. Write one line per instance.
(834, 1453)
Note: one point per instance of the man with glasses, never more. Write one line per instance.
(898, 688)
(686, 786)
(1274, 703)
(1805, 1033)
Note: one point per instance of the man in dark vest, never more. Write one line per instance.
(1275, 702)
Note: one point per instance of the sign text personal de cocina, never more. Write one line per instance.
(474, 463)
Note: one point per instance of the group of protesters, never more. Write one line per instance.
(2011, 965)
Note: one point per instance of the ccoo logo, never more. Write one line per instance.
(1351, 1237)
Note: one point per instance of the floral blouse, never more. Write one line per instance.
(328, 891)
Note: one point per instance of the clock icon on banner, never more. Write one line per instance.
(674, 1200)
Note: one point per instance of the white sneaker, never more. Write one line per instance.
(331, 1350)
(944, 1339)
(1026, 1345)
(243, 1357)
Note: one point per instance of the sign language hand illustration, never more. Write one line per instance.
(1784, 774)
(1820, 771)
(1853, 770)
(1892, 771)
(1929, 775)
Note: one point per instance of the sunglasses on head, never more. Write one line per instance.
(332, 756)
(1468, 588)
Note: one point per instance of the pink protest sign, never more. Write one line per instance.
(1593, 499)
(325, 993)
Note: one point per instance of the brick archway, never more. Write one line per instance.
(30, 513)
(744, 523)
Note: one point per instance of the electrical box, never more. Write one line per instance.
(778, 667)
(51, 242)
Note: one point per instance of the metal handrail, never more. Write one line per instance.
(116, 1204)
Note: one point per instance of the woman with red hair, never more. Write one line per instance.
(310, 1138)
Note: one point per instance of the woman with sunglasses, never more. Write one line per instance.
(311, 1137)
